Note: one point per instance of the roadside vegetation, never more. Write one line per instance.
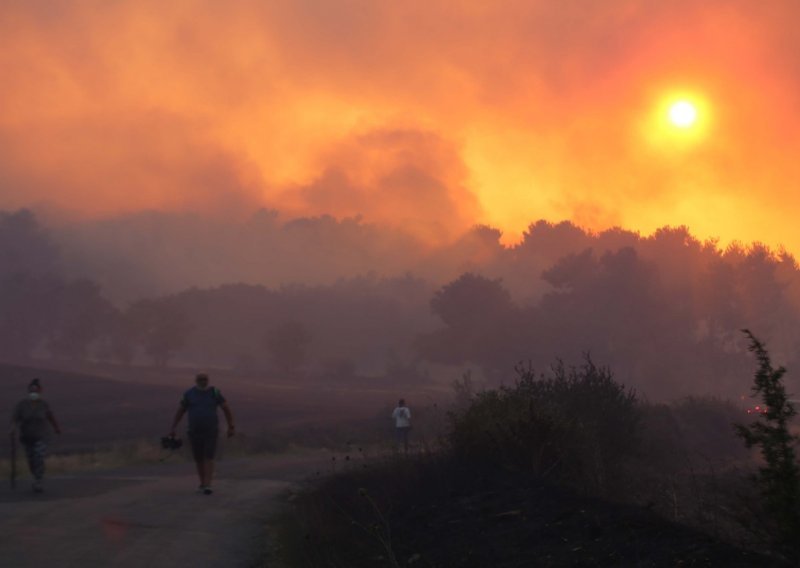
(566, 467)
(120, 454)
(149, 451)
(336, 435)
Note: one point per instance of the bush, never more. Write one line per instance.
(779, 477)
(576, 423)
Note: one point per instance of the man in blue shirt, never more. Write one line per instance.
(200, 402)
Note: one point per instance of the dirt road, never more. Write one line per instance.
(148, 516)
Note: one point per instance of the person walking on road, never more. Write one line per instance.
(30, 418)
(402, 423)
(201, 402)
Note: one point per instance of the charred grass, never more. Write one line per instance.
(433, 511)
(519, 481)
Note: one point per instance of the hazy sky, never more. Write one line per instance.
(425, 114)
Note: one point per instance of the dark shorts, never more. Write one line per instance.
(402, 433)
(204, 444)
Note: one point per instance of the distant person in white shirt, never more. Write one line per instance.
(402, 423)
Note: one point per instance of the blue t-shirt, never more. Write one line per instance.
(31, 416)
(201, 408)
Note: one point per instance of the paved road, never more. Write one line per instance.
(148, 516)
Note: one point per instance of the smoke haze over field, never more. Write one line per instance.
(359, 190)
(319, 301)
(416, 115)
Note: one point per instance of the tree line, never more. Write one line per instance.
(664, 310)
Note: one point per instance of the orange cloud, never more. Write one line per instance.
(410, 179)
(428, 115)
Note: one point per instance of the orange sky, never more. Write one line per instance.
(427, 114)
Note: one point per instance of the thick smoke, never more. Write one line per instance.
(495, 113)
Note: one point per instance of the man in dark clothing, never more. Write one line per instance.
(31, 416)
(201, 402)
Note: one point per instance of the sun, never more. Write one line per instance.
(678, 120)
(682, 114)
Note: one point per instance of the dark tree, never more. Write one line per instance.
(81, 312)
(481, 324)
(288, 344)
(25, 248)
(779, 478)
(28, 285)
(119, 340)
(471, 299)
(27, 308)
(161, 328)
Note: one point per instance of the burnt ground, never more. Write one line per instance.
(437, 513)
(103, 404)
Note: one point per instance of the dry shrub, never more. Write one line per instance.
(577, 423)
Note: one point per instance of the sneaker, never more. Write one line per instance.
(201, 488)
(208, 491)
(37, 486)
